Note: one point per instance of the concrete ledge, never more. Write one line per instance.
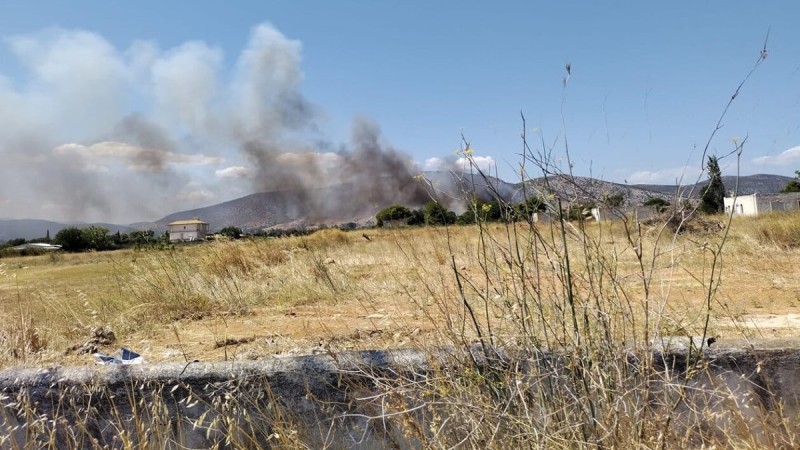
(324, 398)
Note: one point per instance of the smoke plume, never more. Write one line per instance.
(93, 132)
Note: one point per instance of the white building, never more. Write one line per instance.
(37, 246)
(187, 230)
(755, 204)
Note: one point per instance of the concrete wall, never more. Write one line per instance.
(322, 400)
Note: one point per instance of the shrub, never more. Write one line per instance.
(232, 232)
(71, 239)
(657, 202)
(394, 212)
(436, 214)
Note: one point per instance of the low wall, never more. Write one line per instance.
(316, 401)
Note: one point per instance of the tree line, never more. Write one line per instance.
(434, 213)
(74, 239)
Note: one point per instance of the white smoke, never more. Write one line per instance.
(104, 133)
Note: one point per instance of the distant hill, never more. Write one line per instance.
(748, 184)
(343, 203)
(582, 189)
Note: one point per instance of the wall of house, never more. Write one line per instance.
(743, 205)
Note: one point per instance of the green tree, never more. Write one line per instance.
(713, 198)
(141, 237)
(497, 211)
(466, 218)
(417, 218)
(436, 214)
(580, 211)
(794, 185)
(394, 212)
(14, 242)
(96, 237)
(531, 205)
(658, 203)
(71, 239)
(614, 200)
(232, 232)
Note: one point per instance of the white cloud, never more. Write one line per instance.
(233, 172)
(788, 157)
(682, 175)
(484, 163)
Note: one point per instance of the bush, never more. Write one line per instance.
(659, 203)
(436, 214)
(614, 200)
(71, 239)
(531, 205)
(96, 238)
(231, 232)
(394, 212)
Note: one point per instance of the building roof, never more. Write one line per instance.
(39, 245)
(187, 222)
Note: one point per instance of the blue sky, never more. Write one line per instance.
(647, 86)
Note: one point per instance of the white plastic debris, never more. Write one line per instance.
(123, 357)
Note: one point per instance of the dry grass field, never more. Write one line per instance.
(333, 290)
(601, 293)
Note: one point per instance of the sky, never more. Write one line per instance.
(127, 112)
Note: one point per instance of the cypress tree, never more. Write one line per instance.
(713, 199)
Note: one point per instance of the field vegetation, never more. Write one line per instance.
(339, 290)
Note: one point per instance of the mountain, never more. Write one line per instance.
(748, 184)
(345, 203)
(587, 190)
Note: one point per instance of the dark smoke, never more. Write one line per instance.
(352, 182)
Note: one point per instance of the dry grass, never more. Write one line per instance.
(596, 289)
(335, 287)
